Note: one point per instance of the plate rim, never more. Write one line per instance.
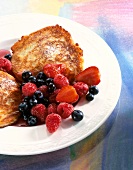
(7, 152)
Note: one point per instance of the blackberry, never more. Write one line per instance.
(8, 56)
(39, 96)
(32, 120)
(49, 80)
(41, 75)
(77, 115)
(32, 79)
(51, 87)
(26, 75)
(40, 82)
(94, 90)
(26, 99)
(33, 101)
(89, 97)
(23, 107)
(26, 115)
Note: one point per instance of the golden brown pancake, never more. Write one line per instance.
(52, 44)
(10, 98)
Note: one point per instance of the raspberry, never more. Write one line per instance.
(52, 108)
(5, 65)
(53, 121)
(50, 70)
(65, 110)
(28, 89)
(52, 97)
(40, 111)
(81, 88)
(44, 90)
(60, 80)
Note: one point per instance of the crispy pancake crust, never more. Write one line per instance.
(52, 44)
(10, 97)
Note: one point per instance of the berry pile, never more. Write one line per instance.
(49, 97)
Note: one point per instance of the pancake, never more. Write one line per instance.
(51, 44)
(10, 98)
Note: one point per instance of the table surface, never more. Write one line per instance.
(111, 146)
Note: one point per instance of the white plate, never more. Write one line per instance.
(36, 140)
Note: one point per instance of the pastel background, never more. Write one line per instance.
(111, 146)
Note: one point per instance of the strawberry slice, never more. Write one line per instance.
(67, 94)
(90, 76)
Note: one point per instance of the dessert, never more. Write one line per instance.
(49, 68)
